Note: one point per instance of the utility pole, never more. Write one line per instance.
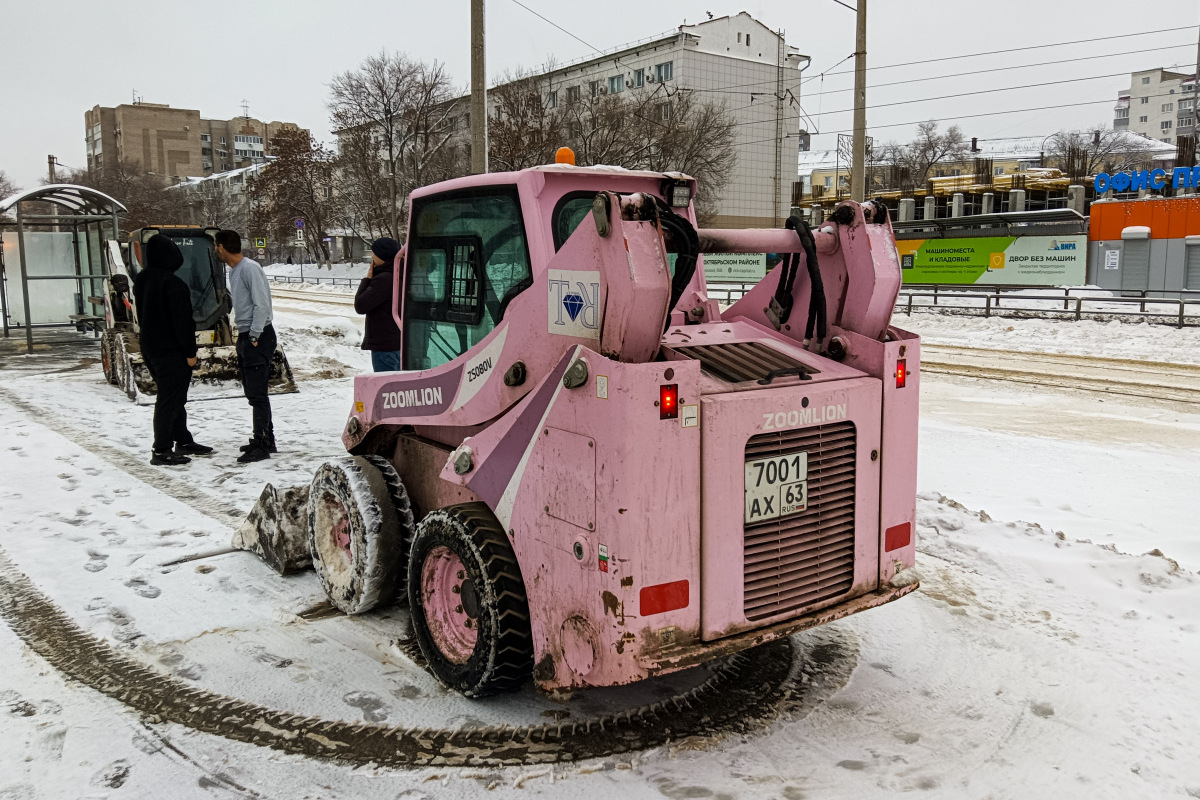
(858, 172)
(53, 175)
(479, 142)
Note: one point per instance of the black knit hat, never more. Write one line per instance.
(386, 249)
(163, 253)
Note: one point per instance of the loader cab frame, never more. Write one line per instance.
(203, 274)
(468, 257)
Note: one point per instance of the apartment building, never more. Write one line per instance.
(735, 60)
(1158, 105)
(175, 142)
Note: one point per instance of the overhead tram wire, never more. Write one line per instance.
(1008, 50)
(829, 71)
(1105, 101)
(1003, 69)
(972, 94)
(940, 77)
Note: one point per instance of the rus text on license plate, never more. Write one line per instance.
(776, 486)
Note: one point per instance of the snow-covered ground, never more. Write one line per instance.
(1053, 649)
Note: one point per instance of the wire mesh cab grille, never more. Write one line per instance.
(736, 362)
(808, 557)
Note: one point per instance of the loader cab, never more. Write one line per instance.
(468, 257)
(203, 274)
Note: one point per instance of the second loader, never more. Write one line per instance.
(216, 356)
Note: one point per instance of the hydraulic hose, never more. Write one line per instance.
(784, 299)
(686, 241)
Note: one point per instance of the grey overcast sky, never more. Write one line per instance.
(58, 59)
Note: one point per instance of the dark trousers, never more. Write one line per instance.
(385, 360)
(255, 365)
(173, 376)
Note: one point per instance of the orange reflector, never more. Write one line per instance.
(668, 401)
(901, 374)
(897, 536)
(564, 155)
(663, 597)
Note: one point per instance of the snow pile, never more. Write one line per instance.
(324, 348)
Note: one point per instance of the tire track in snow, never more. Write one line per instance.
(182, 490)
(745, 691)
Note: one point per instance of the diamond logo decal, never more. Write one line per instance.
(573, 303)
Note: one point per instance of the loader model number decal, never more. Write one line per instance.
(481, 369)
(574, 303)
(782, 420)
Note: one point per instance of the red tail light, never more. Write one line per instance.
(668, 401)
(901, 374)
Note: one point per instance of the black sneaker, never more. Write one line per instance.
(254, 452)
(193, 449)
(270, 448)
(168, 459)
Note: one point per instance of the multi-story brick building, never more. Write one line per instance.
(175, 142)
(1158, 105)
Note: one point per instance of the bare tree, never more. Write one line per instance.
(147, 197)
(928, 149)
(1099, 149)
(214, 203)
(297, 184)
(694, 138)
(526, 125)
(7, 187)
(396, 119)
(657, 130)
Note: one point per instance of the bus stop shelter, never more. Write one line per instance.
(55, 234)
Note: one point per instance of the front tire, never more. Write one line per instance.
(106, 358)
(359, 523)
(469, 611)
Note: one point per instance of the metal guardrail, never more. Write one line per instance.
(297, 279)
(1152, 305)
(1177, 311)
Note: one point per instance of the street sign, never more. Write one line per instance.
(299, 224)
(262, 251)
(260, 243)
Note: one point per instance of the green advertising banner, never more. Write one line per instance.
(1024, 260)
(734, 267)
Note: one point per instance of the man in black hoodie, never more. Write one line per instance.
(374, 300)
(168, 340)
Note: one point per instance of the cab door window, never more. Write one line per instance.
(467, 258)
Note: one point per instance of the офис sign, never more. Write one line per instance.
(1024, 260)
(1181, 178)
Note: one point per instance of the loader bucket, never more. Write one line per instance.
(276, 529)
(221, 364)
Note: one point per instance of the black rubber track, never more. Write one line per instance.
(744, 691)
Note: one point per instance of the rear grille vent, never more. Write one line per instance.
(736, 362)
(807, 558)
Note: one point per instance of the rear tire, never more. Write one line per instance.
(106, 358)
(359, 520)
(469, 611)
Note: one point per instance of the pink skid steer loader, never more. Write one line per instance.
(588, 472)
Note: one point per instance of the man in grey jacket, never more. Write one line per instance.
(256, 339)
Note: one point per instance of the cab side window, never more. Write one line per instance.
(467, 258)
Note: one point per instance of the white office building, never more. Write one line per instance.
(735, 60)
